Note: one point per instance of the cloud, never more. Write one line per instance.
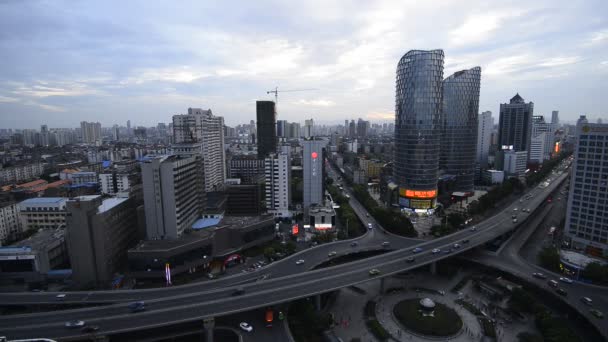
(381, 115)
(599, 37)
(316, 103)
(8, 99)
(480, 27)
(183, 74)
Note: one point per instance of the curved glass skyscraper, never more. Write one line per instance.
(459, 126)
(418, 127)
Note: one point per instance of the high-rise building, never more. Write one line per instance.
(98, 234)
(418, 127)
(266, 127)
(555, 118)
(44, 136)
(352, 129)
(313, 172)
(515, 124)
(278, 186)
(459, 126)
(205, 132)
(114, 182)
(547, 130)
(115, 133)
(172, 195)
(484, 138)
(362, 128)
(294, 130)
(309, 126)
(282, 128)
(587, 214)
(90, 132)
(537, 148)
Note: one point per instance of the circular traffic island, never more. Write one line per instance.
(426, 317)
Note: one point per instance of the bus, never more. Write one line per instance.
(269, 317)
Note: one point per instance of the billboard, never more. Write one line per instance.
(417, 193)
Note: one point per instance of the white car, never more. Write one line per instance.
(246, 326)
(74, 324)
(60, 296)
(300, 262)
(436, 250)
(566, 280)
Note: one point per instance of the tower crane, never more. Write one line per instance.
(276, 92)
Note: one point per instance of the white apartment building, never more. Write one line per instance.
(10, 224)
(42, 212)
(277, 175)
(201, 126)
(587, 214)
(22, 173)
(112, 183)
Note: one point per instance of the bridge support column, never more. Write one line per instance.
(209, 324)
(318, 302)
(382, 285)
(433, 268)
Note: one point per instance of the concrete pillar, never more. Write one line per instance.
(318, 302)
(382, 285)
(433, 267)
(209, 324)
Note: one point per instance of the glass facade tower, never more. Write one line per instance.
(418, 127)
(459, 127)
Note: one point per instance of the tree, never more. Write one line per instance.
(269, 252)
(596, 272)
(549, 258)
(456, 220)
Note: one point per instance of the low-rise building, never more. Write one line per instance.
(493, 176)
(114, 182)
(515, 163)
(84, 177)
(21, 173)
(42, 212)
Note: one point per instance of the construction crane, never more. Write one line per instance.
(276, 92)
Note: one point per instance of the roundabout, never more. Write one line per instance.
(427, 317)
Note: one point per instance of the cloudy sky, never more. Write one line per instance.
(109, 61)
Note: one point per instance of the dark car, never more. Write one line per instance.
(89, 329)
(561, 292)
(137, 306)
(238, 291)
(410, 259)
(354, 244)
(465, 241)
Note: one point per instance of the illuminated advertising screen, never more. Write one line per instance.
(295, 229)
(421, 204)
(557, 147)
(417, 193)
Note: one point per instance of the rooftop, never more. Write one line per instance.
(43, 238)
(110, 203)
(31, 184)
(44, 200)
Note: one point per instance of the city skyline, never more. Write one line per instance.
(146, 68)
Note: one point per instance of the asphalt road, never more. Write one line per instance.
(190, 303)
(510, 258)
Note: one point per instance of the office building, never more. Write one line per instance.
(83, 177)
(515, 124)
(266, 128)
(10, 223)
(90, 132)
(418, 127)
(484, 138)
(537, 148)
(98, 234)
(172, 195)
(362, 128)
(243, 200)
(587, 214)
(278, 186)
(42, 212)
(294, 130)
(515, 163)
(313, 172)
(459, 127)
(493, 177)
(201, 128)
(352, 129)
(248, 168)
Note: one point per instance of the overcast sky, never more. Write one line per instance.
(109, 61)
